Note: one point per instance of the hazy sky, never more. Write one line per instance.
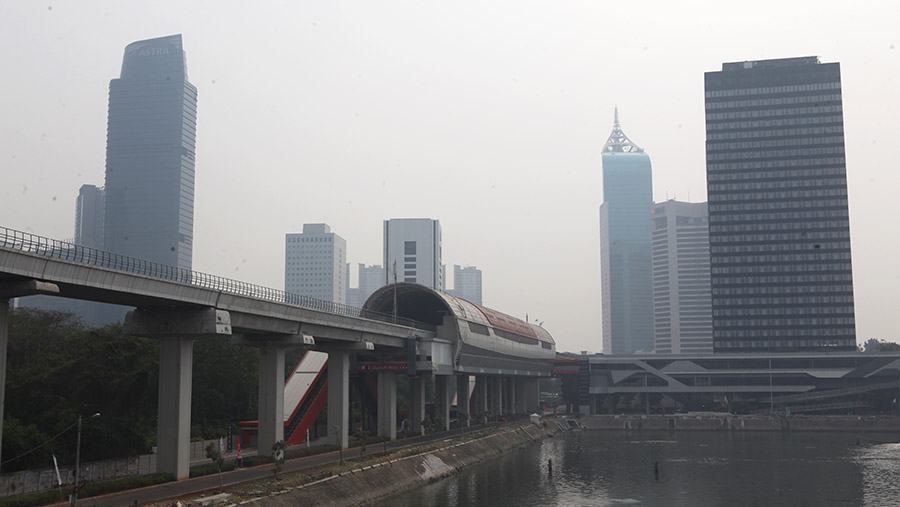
(488, 115)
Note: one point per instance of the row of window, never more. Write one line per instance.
(327, 239)
(778, 174)
(815, 216)
(774, 89)
(773, 153)
(762, 345)
(777, 289)
(786, 268)
(781, 332)
(721, 210)
(720, 126)
(776, 311)
(783, 195)
(769, 184)
(773, 101)
(779, 112)
(816, 299)
(802, 132)
(777, 164)
(785, 247)
(733, 282)
(773, 143)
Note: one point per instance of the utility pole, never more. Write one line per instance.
(74, 501)
(395, 291)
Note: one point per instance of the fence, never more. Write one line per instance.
(38, 481)
(32, 243)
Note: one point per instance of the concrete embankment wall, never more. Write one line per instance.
(370, 484)
(728, 422)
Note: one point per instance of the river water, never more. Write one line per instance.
(695, 469)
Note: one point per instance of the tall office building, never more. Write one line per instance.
(779, 225)
(625, 246)
(89, 216)
(150, 155)
(682, 307)
(467, 283)
(415, 245)
(370, 279)
(315, 263)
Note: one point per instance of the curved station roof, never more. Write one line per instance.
(484, 340)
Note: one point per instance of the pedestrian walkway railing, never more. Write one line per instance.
(32, 243)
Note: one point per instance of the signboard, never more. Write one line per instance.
(395, 367)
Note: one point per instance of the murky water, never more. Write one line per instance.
(695, 469)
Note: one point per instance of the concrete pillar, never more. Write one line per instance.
(173, 434)
(481, 391)
(520, 396)
(532, 395)
(511, 396)
(442, 399)
(463, 406)
(417, 404)
(271, 397)
(387, 404)
(338, 397)
(4, 340)
(496, 396)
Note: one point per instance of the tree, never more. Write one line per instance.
(336, 430)
(213, 453)
(278, 456)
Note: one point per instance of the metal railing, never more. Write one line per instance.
(32, 243)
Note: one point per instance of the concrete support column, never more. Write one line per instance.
(463, 406)
(173, 435)
(338, 397)
(417, 404)
(532, 395)
(271, 397)
(442, 399)
(497, 396)
(511, 396)
(4, 340)
(521, 406)
(481, 392)
(387, 404)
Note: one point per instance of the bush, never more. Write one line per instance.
(90, 489)
(210, 468)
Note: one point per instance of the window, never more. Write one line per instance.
(409, 247)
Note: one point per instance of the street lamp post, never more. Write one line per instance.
(74, 501)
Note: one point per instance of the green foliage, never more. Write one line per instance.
(211, 468)
(213, 453)
(57, 368)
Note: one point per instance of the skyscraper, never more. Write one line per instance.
(315, 263)
(150, 155)
(467, 283)
(415, 245)
(682, 310)
(625, 246)
(371, 278)
(89, 216)
(779, 229)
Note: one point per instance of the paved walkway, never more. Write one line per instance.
(188, 487)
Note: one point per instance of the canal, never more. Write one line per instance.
(694, 469)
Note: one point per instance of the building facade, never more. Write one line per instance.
(370, 279)
(467, 283)
(315, 264)
(412, 247)
(625, 269)
(682, 306)
(89, 216)
(778, 216)
(149, 212)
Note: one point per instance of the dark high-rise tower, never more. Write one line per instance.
(779, 225)
(150, 155)
(89, 216)
(625, 270)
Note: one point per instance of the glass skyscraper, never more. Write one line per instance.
(779, 229)
(150, 155)
(625, 269)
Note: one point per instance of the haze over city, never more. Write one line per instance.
(490, 118)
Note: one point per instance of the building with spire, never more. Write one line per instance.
(625, 267)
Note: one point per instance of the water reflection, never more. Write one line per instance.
(695, 469)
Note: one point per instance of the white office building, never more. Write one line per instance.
(682, 294)
(414, 244)
(370, 279)
(467, 283)
(315, 263)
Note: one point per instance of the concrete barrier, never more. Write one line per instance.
(730, 422)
